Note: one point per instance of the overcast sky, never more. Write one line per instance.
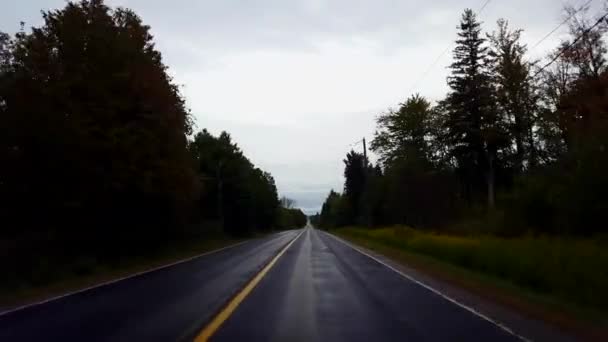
(297, 82)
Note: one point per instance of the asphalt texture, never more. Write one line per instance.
(320, 289)
(323, 290)
(171, 304)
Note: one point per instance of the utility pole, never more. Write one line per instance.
(365, 163)
(220, 199)
(364, 154)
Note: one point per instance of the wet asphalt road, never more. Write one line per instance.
(323, 290)
(319, 290)
(170, 304)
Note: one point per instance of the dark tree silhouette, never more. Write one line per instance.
(532, 139)
(96, 162)
(473, 130)
(356, 170)
(94, 132)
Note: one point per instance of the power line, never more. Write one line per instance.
(599, 21)
(438, 59)
(560, 25)
(355, 143)
(483, 7)
(429, 68)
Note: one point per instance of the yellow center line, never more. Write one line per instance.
(221, 317)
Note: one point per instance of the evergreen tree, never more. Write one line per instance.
(355, 178)
(239, 196)
(473, 127)
(334, 212)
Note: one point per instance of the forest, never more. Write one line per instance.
(518, 146)
(99, 158)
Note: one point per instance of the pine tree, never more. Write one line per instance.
(472, 126)
(355, 177)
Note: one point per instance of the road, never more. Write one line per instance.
(319, 289)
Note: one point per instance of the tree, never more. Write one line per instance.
(241, 197)
(335, 211)
(287, 202)
(514, 90)
(555, 83)
(409, 191)
(587, 51)
(5, 51)
(291, 218)
(266, 203)
(5, 84)
(404, 133)
(315, 219)
(580, 59)
(541, 143)
(474, 133)
(93, 131)
(373, 201)
(355, 177)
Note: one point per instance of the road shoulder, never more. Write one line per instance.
(23, 298)
(530, 320)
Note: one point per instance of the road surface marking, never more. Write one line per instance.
(220, 318)
(435, 291)
(2, 313)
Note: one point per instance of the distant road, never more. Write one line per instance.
(319, 289)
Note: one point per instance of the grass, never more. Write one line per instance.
(554, 274)
(84, 274)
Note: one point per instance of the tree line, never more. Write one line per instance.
(516, 146)
(98, 157)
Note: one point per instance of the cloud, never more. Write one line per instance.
(296, 82)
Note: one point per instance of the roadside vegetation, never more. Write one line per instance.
(505, 176)
(42, 283)
(568, 269)
(100, 163)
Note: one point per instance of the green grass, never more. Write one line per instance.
(84, 273)
(570, 271)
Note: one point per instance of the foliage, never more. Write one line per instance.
(474, 132)
(562, 267)
(241, 197)
(291, 218)
(93, 134)
(315, 220)
(336, 211)
(96, 161)
(355, 180)
(515, 95)
(512, 148)
(405, 133)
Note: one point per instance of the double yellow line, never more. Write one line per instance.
(221, 317)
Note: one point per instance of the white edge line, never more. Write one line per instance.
(435, 291)
(19, 308)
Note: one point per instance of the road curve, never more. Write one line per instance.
(169, 304)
